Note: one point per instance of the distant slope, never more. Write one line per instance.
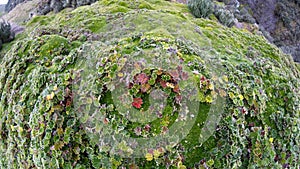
(2, 9)
(11, 4)
(21, 13)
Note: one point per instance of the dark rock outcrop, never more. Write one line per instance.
(46, 6)
(12, 3)
(264, 13)
(277, 19)
(16, 29)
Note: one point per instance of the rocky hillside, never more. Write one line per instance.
(145, 84)
(2, 8)
(278, 19)
(281, 20)
(11, 4)
(21, 13)
(45, 6)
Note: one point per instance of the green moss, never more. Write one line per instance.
(145, 6)
(76, 44)
(95, 24)
(116, 9)
(53, 44)
(123, 3)
(298, 66)
(190, 141)
(40, 20)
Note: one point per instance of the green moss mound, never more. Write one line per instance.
(47, 121)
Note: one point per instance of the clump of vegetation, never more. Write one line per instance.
(224, 16)
(201, 8)
(243, 15)
(6, 34)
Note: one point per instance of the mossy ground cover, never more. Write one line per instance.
(48, 120)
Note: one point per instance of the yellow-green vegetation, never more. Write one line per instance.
(47, 121)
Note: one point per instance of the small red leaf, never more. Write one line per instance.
(184, 75)
(105, 120)
(174, 74)
(137, 103)
(130, 85)
(203, 79)
(164, 129)
(178, 98)
(142, 78)
(138, 131)
(176, 89)
(244, 111)
(163, 84)
(147, 127)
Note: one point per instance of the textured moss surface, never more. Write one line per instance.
(41, 126)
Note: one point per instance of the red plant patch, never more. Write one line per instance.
(163, 84)
(142, 78)
(137, 103)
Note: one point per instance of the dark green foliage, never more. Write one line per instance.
(201, 8)
(243, 15)
(6, 35)
(224, 16)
